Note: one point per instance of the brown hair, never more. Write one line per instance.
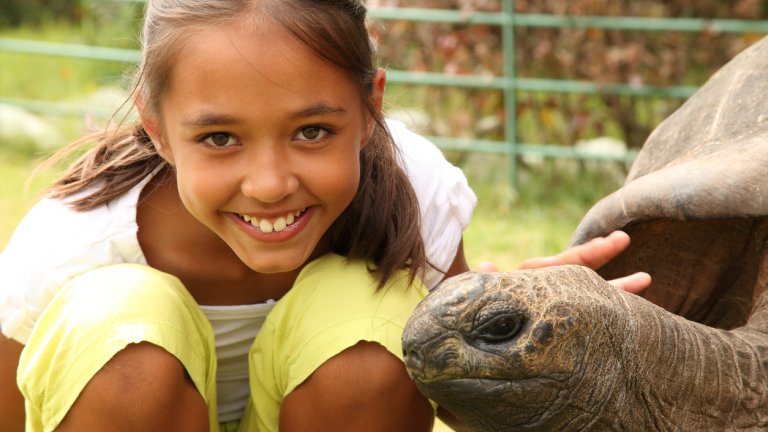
(382, 223)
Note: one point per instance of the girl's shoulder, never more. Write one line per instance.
(415, 147)
(52, 244)
(52, 229)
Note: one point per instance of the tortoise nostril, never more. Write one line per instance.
(412, 357)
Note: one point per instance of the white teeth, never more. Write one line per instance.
(280, 224)
(265, 226)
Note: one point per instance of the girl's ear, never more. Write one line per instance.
(151, 125)
(377, 93)
(376, 99)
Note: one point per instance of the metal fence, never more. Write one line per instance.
(510, 84)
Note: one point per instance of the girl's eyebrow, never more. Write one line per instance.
(318, 109)
(208, 119)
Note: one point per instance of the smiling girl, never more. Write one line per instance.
(246, 255)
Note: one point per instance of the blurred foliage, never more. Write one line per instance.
(69, 79)
(105, 23)
(113, 23)
(29, 12)
(603, 56)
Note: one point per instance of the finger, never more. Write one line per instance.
(487, 267)
(549, 261)
(619, 239)
(598, 251)
(633, 283)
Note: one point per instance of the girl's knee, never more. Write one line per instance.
(128, 329)
(143, 387)
(141, 366)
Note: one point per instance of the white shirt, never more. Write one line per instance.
(53, 243)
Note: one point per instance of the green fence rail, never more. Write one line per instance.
(509, 83)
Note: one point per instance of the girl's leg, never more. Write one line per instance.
(142, 388)
(11, 401)
(123, 347)
(329, 357)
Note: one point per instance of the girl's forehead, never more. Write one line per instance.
(256, 45)
(260, 63)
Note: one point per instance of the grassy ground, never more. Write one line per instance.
(538, 218)
(14, 200)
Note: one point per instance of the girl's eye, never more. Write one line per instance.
(220, 139)
(311, 133)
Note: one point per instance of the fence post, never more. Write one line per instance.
(510, 99)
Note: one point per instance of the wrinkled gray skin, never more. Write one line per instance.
(560, 349)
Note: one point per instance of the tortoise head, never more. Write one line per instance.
(499, 349)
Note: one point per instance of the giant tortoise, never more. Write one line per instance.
(560, 349)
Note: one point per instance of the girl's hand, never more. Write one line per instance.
(593, 254)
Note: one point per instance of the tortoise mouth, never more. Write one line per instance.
(508, 404)
(488, 388)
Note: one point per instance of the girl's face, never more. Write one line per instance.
(265, 139)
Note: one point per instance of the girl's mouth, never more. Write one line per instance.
(268, 226)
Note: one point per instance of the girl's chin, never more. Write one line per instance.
(277, 266)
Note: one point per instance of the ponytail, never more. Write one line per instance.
(118, 161)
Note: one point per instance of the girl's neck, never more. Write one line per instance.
(174, 242)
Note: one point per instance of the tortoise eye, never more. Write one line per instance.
(500, 328)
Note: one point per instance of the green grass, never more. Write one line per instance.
(14, 199)
(539, 217)
(54, 78)
(51, 78)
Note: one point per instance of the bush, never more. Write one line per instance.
(603, 56)
(33, 12)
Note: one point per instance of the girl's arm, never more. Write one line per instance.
(11, 401)
(364, 387)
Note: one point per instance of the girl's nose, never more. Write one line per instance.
(268, 177)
